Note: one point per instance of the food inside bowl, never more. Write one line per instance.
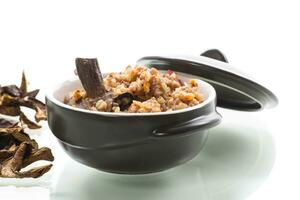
(136, 90)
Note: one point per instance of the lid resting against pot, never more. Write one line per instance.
(234, 89)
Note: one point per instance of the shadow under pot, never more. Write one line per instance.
(139, 143)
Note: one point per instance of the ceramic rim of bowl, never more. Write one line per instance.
(211, 97)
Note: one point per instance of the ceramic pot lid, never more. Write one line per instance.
(234, 89)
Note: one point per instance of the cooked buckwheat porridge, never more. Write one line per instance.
(140, 90)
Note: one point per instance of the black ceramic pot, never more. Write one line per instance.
(149, 142)
(131, 143)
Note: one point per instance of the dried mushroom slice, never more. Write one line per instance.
(10, 110)
(8, 146)
(35, 172)
(12, 97)
(124, 100)
(4, 123)
(12, 90)
(6, 141)
(32, 94)
(43, 153)
(17, 149)
(8, 100)
(90, 76)
(37, 105)
(8, 152)
(23, 86)
(18, 134)
(11, 167)
(10, 130)
(25, 121)
(23, 137)
(5, 153)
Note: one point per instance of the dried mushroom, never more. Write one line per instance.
(4, 123)
(30, 124)
(10, 110)
(95, 96)
(17, 149)
(12, 90)
(24, 156)
(90, 76)
(23, 86)
(124, 100)
(35, 104)
(33, 93)
(13, 97)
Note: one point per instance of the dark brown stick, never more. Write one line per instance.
(90, 77)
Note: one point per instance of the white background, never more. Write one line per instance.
(260, 37)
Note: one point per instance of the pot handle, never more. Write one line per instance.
(199, 123)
